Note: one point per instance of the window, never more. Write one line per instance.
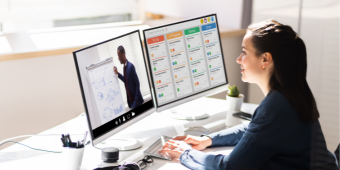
(22, 15)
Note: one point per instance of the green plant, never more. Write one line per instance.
(233, 91)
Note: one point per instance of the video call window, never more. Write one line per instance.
(109, 100)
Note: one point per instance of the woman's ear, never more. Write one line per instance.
(267, 59)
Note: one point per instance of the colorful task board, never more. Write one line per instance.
(185, 58)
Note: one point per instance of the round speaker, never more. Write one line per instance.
(110, 155)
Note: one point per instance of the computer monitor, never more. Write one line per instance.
(114, 101)
(186, 61)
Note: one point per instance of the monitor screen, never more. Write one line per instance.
(185, 58)
(114, 82)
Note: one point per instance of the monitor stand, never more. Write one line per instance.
(188, 114)
(122, 143)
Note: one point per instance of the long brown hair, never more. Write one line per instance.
(290, 65)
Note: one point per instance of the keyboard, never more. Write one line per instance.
(157, 146)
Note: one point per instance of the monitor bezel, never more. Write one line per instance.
(110, 132)
(214, 90)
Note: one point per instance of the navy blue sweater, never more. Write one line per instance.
(275, 139)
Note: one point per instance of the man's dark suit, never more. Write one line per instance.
(132, 85)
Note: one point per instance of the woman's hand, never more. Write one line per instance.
(176, 146)
(173, 149)
(198, 143)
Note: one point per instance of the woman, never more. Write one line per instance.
(285, 132)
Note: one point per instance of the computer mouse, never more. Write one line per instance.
(196, 131)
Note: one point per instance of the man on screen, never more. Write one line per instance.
(130, 79)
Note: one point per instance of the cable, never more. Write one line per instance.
(22, 136)
(7, 141)
(97, 148)
(31, 147)
(36, 148)
(82, 114)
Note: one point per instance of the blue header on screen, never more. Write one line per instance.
(208, 27)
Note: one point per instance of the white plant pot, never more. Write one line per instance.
(233, 105)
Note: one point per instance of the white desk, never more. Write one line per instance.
(147, 131)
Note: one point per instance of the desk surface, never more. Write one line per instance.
(147, 131)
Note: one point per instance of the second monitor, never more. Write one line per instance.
(186, 61)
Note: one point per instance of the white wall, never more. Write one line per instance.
(320, 32)
(229, 12)
(286, 12)
(21, 10)
(37, 94)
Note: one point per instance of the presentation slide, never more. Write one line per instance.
(185, 58)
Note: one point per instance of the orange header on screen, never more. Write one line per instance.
(156, 39)
(174, 35)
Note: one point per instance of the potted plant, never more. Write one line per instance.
(234, 103)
